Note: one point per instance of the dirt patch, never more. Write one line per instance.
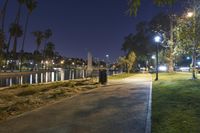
(19, 99)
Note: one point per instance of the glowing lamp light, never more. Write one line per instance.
(190, 14)
(62, 62)
(188, 58)
(157, 39)
(153, 57)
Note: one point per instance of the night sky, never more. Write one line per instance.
(81, 25)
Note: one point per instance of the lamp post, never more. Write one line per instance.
(193, 16)
(157, 39)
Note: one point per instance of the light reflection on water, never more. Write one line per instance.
(44, 77)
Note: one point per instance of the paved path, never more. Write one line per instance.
(121, 107)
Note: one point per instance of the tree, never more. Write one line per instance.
(2, 47)
(163, 24)
(139, 43)
(47, 34)
(39, 37)
(128, 61)
(16, 24)
(50, 50)
(135, 4)
(187, 33)
(131, 58)
(3, 14)
(16, 32)
(30, 5)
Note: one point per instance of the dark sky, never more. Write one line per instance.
(81, 25)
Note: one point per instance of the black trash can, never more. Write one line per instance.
(103, 76)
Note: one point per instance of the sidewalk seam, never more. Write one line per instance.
(148, 120)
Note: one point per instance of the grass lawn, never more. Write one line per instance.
(19, 99)
(121, 76)
(176, 104)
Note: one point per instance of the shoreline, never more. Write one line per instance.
(11, 74)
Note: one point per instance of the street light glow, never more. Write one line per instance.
(62, 62)
(157, 39)
(153, 57)
(190, 14)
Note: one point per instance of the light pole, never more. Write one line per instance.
(193, 16)
(157, 39)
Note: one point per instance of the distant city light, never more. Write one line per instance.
(184, 69)
(107, 56)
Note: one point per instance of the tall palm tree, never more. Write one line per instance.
(15, 28)
(3, 14)
(16, 32)
(39, 38)
(47, 34)
(50, 50)
(30, 5)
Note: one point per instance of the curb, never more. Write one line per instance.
(148, 120)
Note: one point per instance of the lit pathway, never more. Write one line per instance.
(121, 107)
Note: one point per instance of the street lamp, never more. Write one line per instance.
(157, 40)
(190, 14)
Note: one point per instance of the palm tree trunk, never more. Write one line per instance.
(24, 38)
(25, 31)
(16, 22)
(14, 50)
(4, 14)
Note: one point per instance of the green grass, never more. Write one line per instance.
(176, 104)
(121, 76)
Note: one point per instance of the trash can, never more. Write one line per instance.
(102, 76)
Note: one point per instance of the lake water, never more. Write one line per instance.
(43, 77)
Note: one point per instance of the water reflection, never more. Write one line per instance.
(42, 77)
(45, 77)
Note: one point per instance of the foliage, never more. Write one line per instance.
(50, 50)
(128, 61)
(39, 37)
(135, 4)
(187, 34)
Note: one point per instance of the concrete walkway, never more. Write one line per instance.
(121, 107)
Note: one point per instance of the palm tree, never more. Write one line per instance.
(31, 5)
(16, 32)
(2, 46)
(39, 38)
(47, 34)
(17, 28)
(50, 50)
(3, 14)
